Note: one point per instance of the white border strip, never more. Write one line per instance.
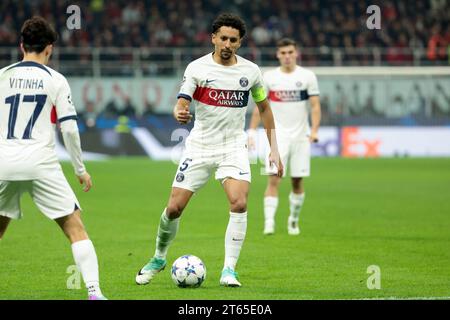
(405, 298)
(377, 71)
(383, 71)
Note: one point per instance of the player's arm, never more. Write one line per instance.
(67, 116)
(266, 116)
(315, 118)
(181, 111)
(314, 101)
(71, 137)
(184, 98)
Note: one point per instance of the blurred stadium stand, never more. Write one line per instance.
(126, 60)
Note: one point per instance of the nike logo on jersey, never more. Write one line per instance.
(209, 81)
(242, 173)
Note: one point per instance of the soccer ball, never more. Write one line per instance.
(188, 271)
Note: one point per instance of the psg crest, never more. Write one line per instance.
(243, 81)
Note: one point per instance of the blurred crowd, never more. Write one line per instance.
(178, 23)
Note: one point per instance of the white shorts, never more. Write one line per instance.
(295, 155)
(195, 167)
(53, 196)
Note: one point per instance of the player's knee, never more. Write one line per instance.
(274, 182)
(238, 205)
(174, 210)
(298, 190)
(3, 225)
(297, 185)
(73, 227)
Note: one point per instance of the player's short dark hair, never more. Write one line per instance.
(286, 42)
(36, 34)
(229, 20)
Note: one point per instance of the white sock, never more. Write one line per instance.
(270, 208)
(234, 238)
(295, 205)
(167, 231)
(86, 260)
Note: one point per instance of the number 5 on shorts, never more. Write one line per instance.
(185, 164)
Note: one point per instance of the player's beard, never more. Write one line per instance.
(226, 54)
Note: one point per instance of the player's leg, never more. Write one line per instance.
(73, 227)
(192, 174)
(4, 222)
(271, 203)
(10, 192)
(297, 185)
(83, 252)
(170, 218)
(273, 184)
(55, 198)
(237, 194)
(167, 230)
(300, 168)
(296, 199)
(233, 171)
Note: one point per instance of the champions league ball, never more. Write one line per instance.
(188, 271)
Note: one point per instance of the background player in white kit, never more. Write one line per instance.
(218, 84)
(290, 87)
(32, 98)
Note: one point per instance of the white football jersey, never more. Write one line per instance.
(32, 98)
(220, 95)
(288, 94)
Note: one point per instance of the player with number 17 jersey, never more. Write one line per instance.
(34, 98)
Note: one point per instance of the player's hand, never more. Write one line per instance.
(182, 114)
(314, 137)
(85, 179)
(275, 159)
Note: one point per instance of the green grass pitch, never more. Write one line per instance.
(393, 213)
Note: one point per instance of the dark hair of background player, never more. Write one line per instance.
(36, 34)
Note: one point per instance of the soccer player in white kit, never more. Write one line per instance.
(33, 98)
(218, 84)
(290, 87)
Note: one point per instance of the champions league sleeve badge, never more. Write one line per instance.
(180, 177)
